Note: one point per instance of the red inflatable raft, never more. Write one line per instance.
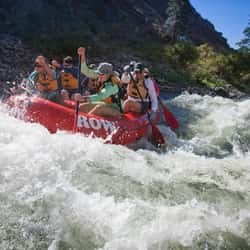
(53, 116)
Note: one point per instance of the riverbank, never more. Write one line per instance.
(227, 91)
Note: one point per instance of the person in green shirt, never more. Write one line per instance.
(106, 102)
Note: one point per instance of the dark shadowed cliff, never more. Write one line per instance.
(113, 30)
(124, 21)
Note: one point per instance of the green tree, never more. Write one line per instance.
(181, 54)
(210, 68)
(244, 44)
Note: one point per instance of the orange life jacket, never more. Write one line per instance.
(46, 83)
(132, 90)
(68, 81)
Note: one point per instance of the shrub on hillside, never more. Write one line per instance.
(204, 65)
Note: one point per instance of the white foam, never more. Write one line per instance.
(85, 193)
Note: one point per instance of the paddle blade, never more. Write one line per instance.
(169, 117)
(157, 136)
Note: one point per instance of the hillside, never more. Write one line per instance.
(113, 30)
(118, 21)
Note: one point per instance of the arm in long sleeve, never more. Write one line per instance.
(31, 83)
(88, 72)
(108, 90)
(33, 76)
(153, 97)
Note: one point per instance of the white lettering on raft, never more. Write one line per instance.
(96, 124)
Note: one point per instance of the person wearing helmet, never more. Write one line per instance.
(106, 102)
(141, 94)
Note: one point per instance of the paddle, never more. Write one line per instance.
(156, 134)
(79, 91)
(169, 117)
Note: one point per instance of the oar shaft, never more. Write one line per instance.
(79, 91)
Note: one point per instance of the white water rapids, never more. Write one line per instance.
(63, 191)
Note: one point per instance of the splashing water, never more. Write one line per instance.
(64, 191)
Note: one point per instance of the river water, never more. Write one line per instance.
(63, 191)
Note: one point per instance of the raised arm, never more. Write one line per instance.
(84, 68)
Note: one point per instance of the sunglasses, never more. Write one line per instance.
(68, 62)
(37, 65)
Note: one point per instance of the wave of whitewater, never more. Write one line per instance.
(65, 191)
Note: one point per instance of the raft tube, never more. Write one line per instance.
(125, 130)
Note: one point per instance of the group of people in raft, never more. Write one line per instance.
(102, 88)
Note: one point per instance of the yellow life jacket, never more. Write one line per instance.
(68, 81)
(114, 98)
(46, 83)
(132, 90)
